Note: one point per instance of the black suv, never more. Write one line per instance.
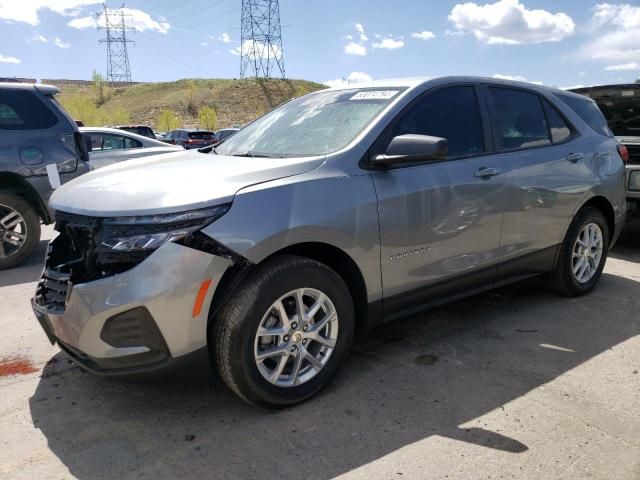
(40, 148)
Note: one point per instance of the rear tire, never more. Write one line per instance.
(583, 254)
(19, 229)
(262, 317)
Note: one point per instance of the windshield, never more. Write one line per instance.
(315, 124)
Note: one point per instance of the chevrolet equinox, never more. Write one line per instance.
(328, 215)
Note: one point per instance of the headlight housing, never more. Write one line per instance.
(144, 234)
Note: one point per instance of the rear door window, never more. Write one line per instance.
(518, 119)
(589, 112)
(23, 110)
(559, 129)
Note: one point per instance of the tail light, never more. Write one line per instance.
(623, 151)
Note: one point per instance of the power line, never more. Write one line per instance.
(261, 39)
(118, 68)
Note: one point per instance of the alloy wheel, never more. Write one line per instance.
(587, 253)
(296, 337)
(13, 231)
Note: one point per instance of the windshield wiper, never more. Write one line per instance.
(250, 154)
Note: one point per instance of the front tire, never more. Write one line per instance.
(583, 254)
(284, 332)
(19, 229)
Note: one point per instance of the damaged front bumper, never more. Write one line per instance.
(139, 319)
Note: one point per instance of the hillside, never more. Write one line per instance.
(236, 102)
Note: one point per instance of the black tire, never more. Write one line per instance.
(234, 329)
(562, 278)
(32, 222)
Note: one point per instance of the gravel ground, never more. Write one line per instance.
(514, 383)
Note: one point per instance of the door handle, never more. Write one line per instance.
(486, 172)
(574, 157)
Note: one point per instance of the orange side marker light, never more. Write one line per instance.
(197, 306)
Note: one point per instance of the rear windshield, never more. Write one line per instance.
(144, 131)
(23, 110)
(588, 111)
(201, 135)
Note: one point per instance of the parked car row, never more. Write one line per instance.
(192, 138)
(336, 211)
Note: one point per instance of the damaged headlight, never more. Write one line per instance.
(143, 234)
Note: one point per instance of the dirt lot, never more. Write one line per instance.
(515, 383)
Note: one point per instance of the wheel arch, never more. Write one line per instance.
(17, 184)
(329, 255)
(601, 203)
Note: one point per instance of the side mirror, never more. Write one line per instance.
(413, 148)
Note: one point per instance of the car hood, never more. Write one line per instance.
(170, 183)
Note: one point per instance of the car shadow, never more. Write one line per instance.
(28, 271)
(433, 374)
(628, 247)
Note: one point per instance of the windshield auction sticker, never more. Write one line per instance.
(375, 95)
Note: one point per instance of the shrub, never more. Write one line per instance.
(167, 121)
(207, 118)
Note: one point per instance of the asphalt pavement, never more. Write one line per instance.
(514, 383)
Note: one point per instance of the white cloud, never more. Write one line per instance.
(352, 78)
(138, 19)
(510, 22)
(27, 10)
(360, 29)
(353, 48)
(616, 30)
(225, 38)
(83, 22)
(623, 16)
(36, 37)
(515, 78)
(60, 43)
(424, 35)
(624, 67)
(256, 50)
(4, 59)
(389, 44)
(572, 87)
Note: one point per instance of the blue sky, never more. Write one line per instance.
(568, 43)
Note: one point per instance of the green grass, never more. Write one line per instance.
(236, 101)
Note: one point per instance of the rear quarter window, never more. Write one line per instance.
(23, 110)
(589, 112)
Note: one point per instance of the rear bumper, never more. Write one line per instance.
(140, 320)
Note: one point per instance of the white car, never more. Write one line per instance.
(108, 146)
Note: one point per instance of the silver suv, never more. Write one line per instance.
(334, 212)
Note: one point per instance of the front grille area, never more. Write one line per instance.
(634, 154)
(52, 290)
(74, 257)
